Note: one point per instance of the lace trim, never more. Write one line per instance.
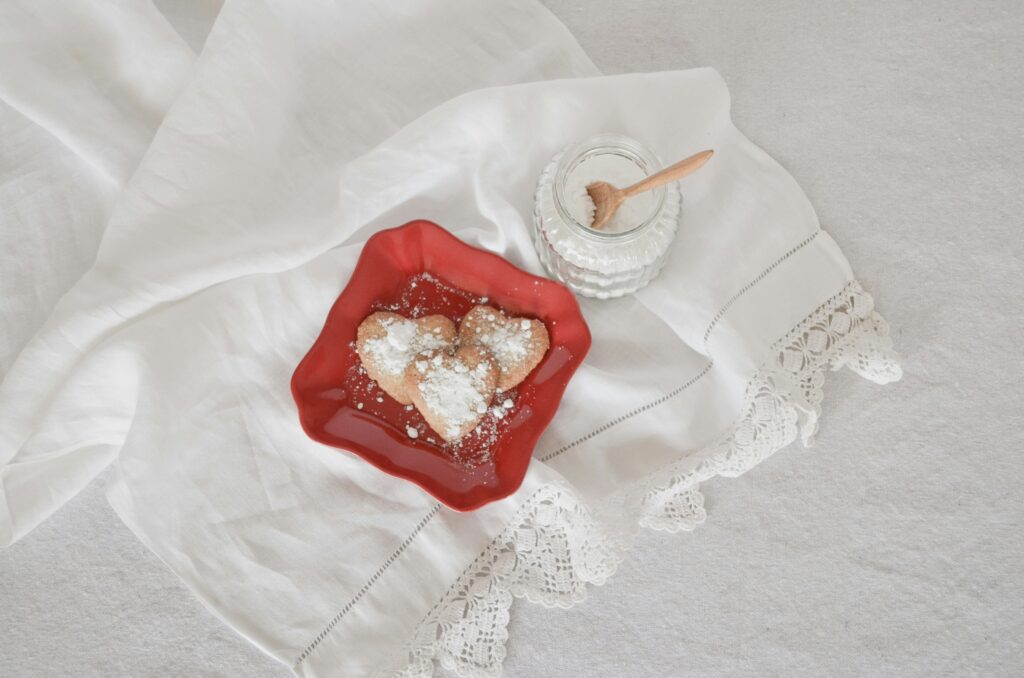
(782, 400)
(548, 554)
(554, 547)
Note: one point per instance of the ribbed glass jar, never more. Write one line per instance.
(597, 263)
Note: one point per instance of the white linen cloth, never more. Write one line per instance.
(83, 88)
(294, 138)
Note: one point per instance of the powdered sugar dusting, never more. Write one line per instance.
(509, 342)
(423, 295)
(395, 349)
(475, 447)
(457, 394)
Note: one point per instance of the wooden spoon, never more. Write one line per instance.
(607, 199)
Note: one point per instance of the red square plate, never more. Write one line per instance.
(338, 405)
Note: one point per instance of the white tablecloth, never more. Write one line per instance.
(652, 654)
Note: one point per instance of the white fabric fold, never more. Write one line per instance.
(302, 131)
(224, 131)
(83, 88)
(117, 65)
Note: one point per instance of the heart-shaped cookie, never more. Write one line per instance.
(452, 390)
(387, 342)
(517, 344)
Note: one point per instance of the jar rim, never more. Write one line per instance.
(602, 144)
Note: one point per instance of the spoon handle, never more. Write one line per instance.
(670, 173)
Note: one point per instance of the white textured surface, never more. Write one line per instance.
(894, 546)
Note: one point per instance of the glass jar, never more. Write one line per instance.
(601, 263)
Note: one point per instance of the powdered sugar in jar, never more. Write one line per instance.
(632, 248)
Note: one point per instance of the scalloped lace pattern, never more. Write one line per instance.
(553, 548)
(782, 400)
(548, 554)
